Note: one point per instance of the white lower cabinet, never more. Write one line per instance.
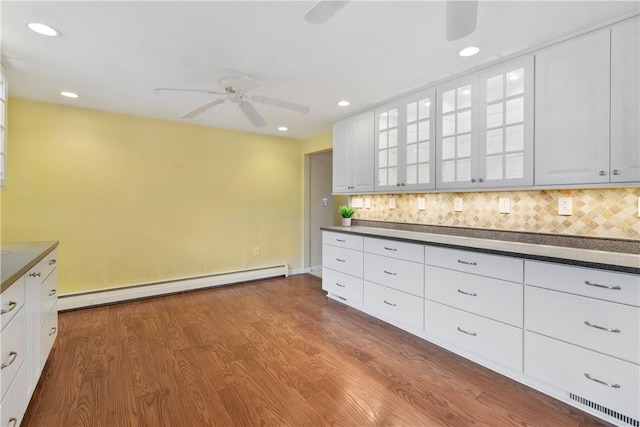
(342, 286)
(14, 404)
(394, 305)
(485, 337)
(398, 274)
(606, 381)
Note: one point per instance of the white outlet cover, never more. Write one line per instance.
(392, 203)
(565, 206)
(457, 204)
(357, 202)
(422, 203)
(505, 205)
(367, 203)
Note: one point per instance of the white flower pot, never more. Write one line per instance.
(346, 222)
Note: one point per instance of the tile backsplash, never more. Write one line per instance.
(608, 213)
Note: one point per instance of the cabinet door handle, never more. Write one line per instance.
(473, 180)
(52, 292)
(601, 382)
(13, 422)
(467, 262)
(615, 172)
(386, 248)
(340, 240)
(34, 275)
(12, 306)
(53, 331)
(12, 356)
(617, 331)
(390, 273)
(615, 288)
(473, 334)
(397, 184)
(481, 180)
(53, 261)
(389, 303)
(403, 184)
(339, 260)
(467, 293)
(602, 173)
(338, 284)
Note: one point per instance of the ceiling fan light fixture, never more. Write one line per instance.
(469, 51)
(283, 128)
(43, 29)
(343, 103)
(69, 94)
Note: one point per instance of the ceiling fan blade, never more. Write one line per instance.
(169, 89)
(252, 114)
(204, 108)
(462, 18)
(280, 103)
(323, 10)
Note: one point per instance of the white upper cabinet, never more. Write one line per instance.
(405, 144)
(572, 111)
(353, 145)
(625, 95)
(457, 139)
(505, 137)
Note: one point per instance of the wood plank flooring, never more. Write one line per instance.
(273, 352)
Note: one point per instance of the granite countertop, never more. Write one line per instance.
(605, 259)
(18, 258)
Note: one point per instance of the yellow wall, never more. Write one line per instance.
(135, 200)
(318, 143)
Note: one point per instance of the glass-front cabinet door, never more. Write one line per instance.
(457, 137)
(505, 153)
(418, 141)
(387, 150)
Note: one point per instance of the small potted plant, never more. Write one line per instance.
(346, 213)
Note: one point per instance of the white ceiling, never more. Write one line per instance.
(113, 53)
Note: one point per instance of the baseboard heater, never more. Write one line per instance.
(73, 301)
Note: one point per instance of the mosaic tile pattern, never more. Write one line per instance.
(610, 213)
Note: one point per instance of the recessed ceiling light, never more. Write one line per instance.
(283, 128)
(344, 103)
(469, 51)
(69, 94)
(43, 29)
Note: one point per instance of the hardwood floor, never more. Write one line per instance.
(273, 352)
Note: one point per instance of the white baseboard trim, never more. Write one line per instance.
(299, 271)
(316, 270)
(114, 295)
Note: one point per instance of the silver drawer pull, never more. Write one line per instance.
(53, 331)
(53, 261)
(52, 292)
(12, 306)
(467, 293)
(13, 422)
(340, 240)
(390, 249)
(389, 303)
(338, 284)
(339, 260)
(615, 288)
(601, 382)
(473, 334)
(467, 262)
(390, 273)
(617, 331)
(13, 356)
(34, 275)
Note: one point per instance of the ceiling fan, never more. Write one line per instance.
(236, 85)
(462, 15)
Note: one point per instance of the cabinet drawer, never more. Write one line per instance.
(499, 267)
(343, 240)
(49, 296)
(565, 316)
(344, 287)
(15, 402)
(12, 350)
(607, 285)
(11, 300)
(496, 299)
(48, 335)
(565, 365)
(394, 305)
(49, 263)
(394, 249)
(487, 338)
(342, 260)
(402, 275)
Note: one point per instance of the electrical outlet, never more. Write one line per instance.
(504, 205)
(457, 204)
(256, 250)
(565, 206)
(422, 203)
(392, 203)
(357, 202)
(367, 203)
